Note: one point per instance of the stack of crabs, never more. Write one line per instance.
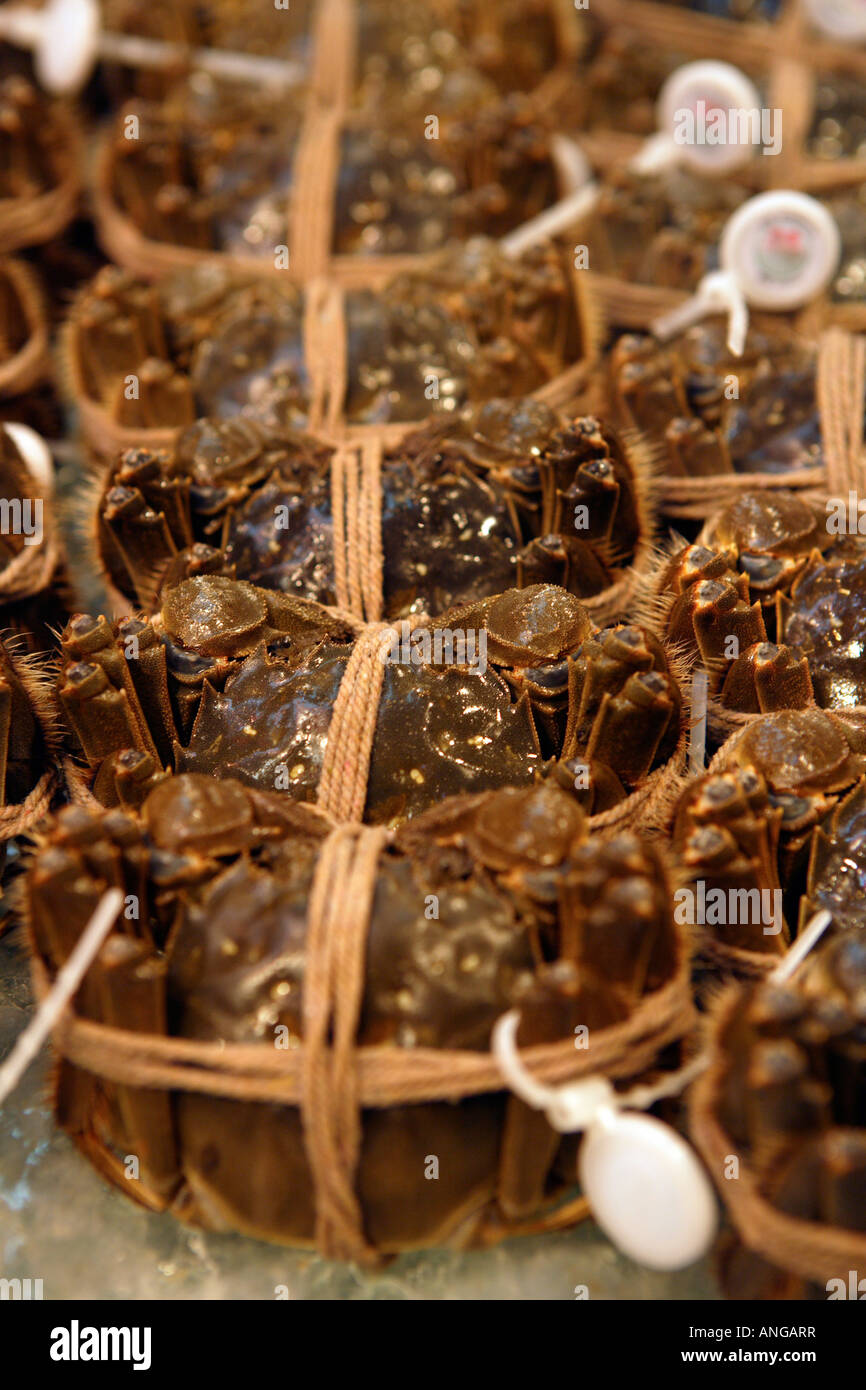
(413, 555)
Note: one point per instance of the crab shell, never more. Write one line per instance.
(217, 170)
(679, 396)
(208, 342)
(776, 814)
(784, 1093)
(530, 914)
(230, 679)
(768, 599)
(467, 509)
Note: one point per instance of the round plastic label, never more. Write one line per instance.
(841, 19)
(712, 112)
(782, 249)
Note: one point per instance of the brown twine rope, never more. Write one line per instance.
(386, 1076)
(20, 818)
(342, 790)
(812, 1250)
(325, 354)
(840, 390)
(33, 568)
(356, 505)
(30, 363)
(840, 383)
(338, 922)
(32, 221)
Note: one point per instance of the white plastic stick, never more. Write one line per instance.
(67, 39)
(656, 154)
(718, 293)
(698, 734)
(797, 953)
(68, 979)
(553, 220)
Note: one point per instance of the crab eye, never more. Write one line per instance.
(763, 570)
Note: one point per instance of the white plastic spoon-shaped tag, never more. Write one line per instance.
(700, 121)
(647, 1189)
(35, 453)
(841, 19)
(645, 1185)
(68, 45)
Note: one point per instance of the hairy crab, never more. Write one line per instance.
(773, 832)
(215, 172)
(769, 599)
(709, 413)
(486, 903)
(469, 506)
(232, 680)
(206, 342)
(785, 1095)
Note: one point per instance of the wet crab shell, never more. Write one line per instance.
(770, 827)
(143, 362)
(769, 600)
(712, 418)
(220, 172)
(467, 509)
(229, 679)
(568, 930)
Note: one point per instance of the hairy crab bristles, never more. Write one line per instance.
(503, 494)
(771, 833)
(234, 680)
(770, 602)
(530, 914)
(208, 342)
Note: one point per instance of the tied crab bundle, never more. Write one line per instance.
(784, 415)
(771, 834)
(768, 600)
(398, 53)
(373, 721)
(292, 1021)
(783, 1099)
(141, 362)
(30, 746)
(357, 193)
(461, 510)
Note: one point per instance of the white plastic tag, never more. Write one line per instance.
(841, 19)
(709, 119)
(68, 45)
(778, 251)
(645, 1185)
(35, 453)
